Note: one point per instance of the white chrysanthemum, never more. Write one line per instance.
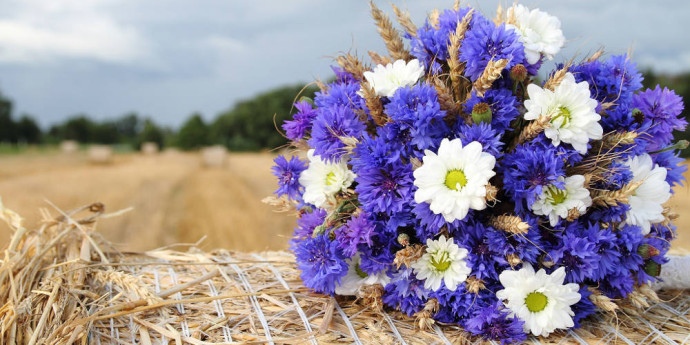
(573, 116)
(454, 180)
(541, 300)
(539, 32)
(556, 203)
(443, 261)
(356, 278)
(645, 203)
(322, 180)
(386, 79)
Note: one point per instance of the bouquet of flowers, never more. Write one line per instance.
(449, 183)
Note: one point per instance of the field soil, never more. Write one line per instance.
(174, 199)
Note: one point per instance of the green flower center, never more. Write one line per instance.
(536, 301)
(330, 179)
(556, 196)
(360, 273)
(455, 177)
(563, 117)
(440, 262)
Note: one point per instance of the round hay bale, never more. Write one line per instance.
(100, 154)
(149, 148)
(214, 156)
(69, 146)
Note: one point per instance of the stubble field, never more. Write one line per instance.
(174, 199)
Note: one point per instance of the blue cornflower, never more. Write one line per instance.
(288, 173)
(431, 44)
(485, 134)
(321, 262)
(486, 42)
(301, 123)
(430, 223)
(527, 170)
(340, 94)
(503, 105)
(577, 254)
(527, 246)
(482, 257)
(375, 152)
(356, 231)
(417, 110)
(405, 292)
(459, 305)
(330, 125)
(494, 322)
(661, 108)
(675, 168)
(378, 257)
(385, 189)
(308, 221)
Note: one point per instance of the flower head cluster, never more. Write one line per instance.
(464, 184)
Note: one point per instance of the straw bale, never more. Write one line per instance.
(214, 156)
(63, 284)
(149, 148)
(100, 154)
(69, 146)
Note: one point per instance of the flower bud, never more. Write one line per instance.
(306, 99)
(404, 239)
(481, 112)
(518, 73)
(652, 268)
(646, 251)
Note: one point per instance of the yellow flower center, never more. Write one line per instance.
(536, 301)
(455, 177)
(556, 196)
(330, 179)
(360, 273)
(440, 262)
(562, 118)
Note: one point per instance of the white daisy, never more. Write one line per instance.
(386, 79)
(573, 118)
(356, 278)
(322, 180)
(556, 203)
(539, 32)
(454, 180)
(541, 300)
(443, 261)
(645, 203)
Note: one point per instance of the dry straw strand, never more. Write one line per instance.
(595, 56)
(391, 36)
(491, 73)
(405, 21)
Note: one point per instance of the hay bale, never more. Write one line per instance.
(69, 146)
(79, 291)
(100, 154)
(149, 148)
(214, 156)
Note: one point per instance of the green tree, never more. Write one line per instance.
(151, 133)
(193, 134)
(28, 130)
(7, 129)
(254, 124)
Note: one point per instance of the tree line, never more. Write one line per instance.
(250, 125)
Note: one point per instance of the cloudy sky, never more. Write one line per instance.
(167, 59)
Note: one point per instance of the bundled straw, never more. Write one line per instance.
(63, 284)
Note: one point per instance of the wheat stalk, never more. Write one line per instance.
(509, 223)
(491, 73)
(352, 65)
(445, 97)
(606, 198)
(533, 129)
(405, 21)
(391, 36)
(557, 77)
(455, 66)
(602, 301)
(373, 104)
(378, 59)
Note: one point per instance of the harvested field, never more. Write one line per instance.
(174, 198)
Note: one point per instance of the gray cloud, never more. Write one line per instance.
(168, 59)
